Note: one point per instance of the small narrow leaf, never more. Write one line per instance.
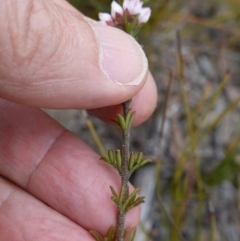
(121, 121)
(118, 159)
(122, 195)
(144, 162)
(131, 198)
(131, 161)
(135, 32)
(96, 235)
(105, 159)
(140, 199)
(139, 158)
(111, 156)
(131, 119)
(132, 235)
(135, 168)
(126, 232)
(128, 116)
(111, 233)
(116, 200)
(113, 192)
(130, 26)
(135, 203)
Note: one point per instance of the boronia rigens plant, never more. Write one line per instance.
(128, 15)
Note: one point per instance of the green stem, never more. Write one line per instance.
(124, 173)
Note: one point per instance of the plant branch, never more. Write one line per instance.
(124, 172)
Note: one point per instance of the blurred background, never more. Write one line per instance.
(192, 187)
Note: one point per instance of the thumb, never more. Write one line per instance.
(52, 56)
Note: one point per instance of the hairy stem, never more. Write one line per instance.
(124, 173)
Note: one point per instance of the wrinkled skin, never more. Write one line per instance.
(52, 185)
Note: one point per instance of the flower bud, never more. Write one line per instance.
(144, 15)
(105, 18)
(133, 7)
(116, 10)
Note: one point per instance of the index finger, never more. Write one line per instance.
(53, 165)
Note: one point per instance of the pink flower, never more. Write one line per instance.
(121, 16)
(144, 15)
(133, 7)
(116, 10)
(105, 18)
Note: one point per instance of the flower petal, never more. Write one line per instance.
(105, 17)
(144, 15)
(116, 10)
(133, 7)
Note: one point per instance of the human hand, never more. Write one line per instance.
(52, 185)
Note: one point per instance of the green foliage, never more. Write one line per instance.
(228, 169)
(121, 122)
(125, 123)
(97, 235)
(128, 236)
(130, 202)
(136, 162)
(131, 27)
(133, 164)
(114, 160)
(109, 237)
(131, 235)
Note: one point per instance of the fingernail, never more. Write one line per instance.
(121, 57)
